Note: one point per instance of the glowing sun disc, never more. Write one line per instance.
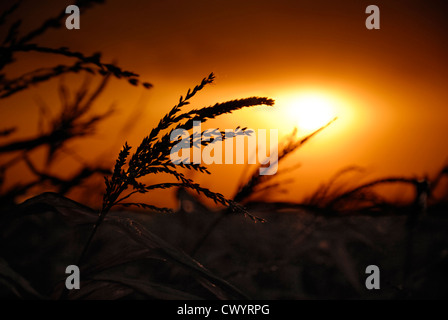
(312, 111)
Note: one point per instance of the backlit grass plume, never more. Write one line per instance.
(152, 156)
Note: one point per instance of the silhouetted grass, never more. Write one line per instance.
(315, 248)
(258, 183)
(152, 156)
(74, 119)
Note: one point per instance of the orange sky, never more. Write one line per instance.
(390, 83)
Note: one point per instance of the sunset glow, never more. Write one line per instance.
(311, 111)
(223, 150)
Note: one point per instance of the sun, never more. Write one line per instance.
(311, 111)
